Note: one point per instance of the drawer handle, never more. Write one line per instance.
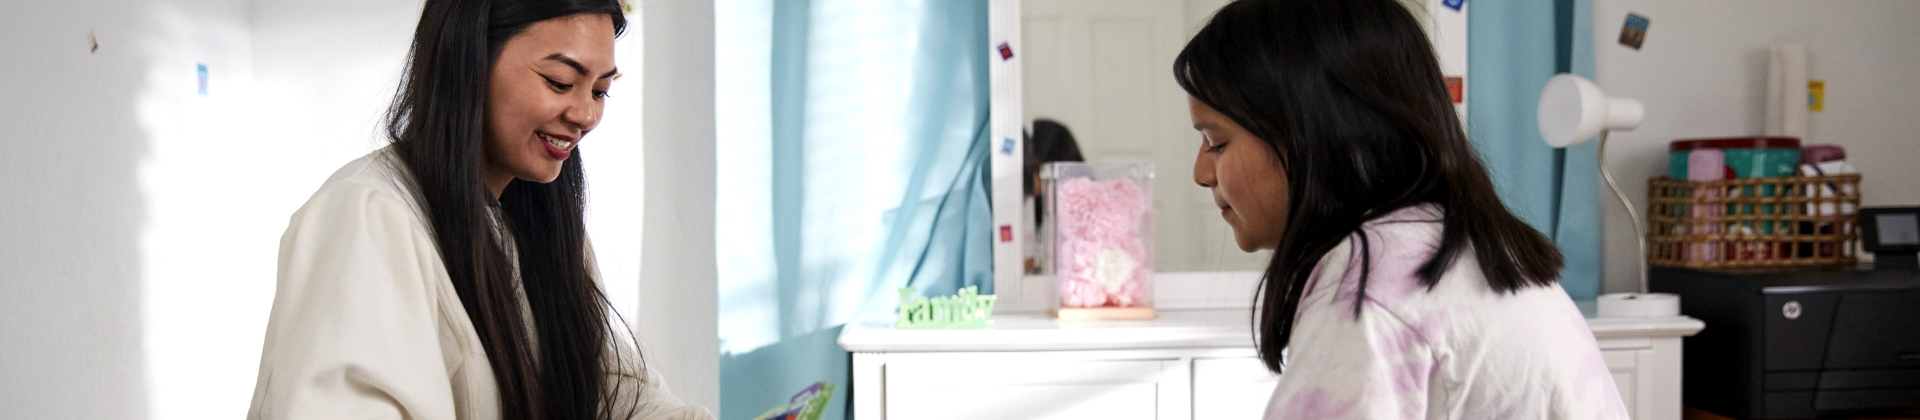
(1910, 357)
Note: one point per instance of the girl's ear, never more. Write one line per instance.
(1282, 156)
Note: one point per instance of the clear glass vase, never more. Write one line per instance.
(1100, 226)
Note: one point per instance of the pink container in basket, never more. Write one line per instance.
(1705, 165)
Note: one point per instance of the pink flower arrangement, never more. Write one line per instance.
(1101, 258)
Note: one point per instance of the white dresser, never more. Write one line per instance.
(1189, 364)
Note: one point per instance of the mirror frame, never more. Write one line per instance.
(1021, 293)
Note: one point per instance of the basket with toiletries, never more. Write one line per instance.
(1753, 202)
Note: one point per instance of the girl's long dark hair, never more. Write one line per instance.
(436, 125)
(1349, 95)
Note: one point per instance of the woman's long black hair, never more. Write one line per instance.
(436, 125)
(1349, 95)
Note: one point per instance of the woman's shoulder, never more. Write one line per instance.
(370, 185)
(379, 171)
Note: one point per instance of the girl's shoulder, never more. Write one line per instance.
(1390, 247)
(1414, 215)
(1393, 248)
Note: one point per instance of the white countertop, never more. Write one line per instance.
(1174, 329)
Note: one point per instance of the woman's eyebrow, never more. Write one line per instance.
(1204, 125)
(569, 61)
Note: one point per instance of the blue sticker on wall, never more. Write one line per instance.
(1633, 33)
(1006, 147)
(203, 79)
(1454, 4)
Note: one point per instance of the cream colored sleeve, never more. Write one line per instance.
(641, 392)
(354, 331)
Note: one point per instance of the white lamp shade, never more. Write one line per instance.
(1573, 109)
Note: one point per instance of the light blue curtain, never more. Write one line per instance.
(1513, 47)
(853, 162)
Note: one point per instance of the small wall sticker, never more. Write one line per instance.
(1457, 88)
(1816, 95)
(1634, 32)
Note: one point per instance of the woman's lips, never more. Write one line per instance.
(557, 148)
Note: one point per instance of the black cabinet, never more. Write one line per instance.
(1792, 345)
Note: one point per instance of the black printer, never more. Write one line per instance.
(1799, 344)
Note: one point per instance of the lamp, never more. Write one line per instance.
(1572, 110)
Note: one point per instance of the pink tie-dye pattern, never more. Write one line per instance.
(1419, 332)
(1097, 216)
(1403, 360)
(1392, 277)
(1316, 404)
(1410, 378)
(1318, 270)
(1414, 369)
(1593, 370)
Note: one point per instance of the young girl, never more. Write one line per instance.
(1400, 286)
(449, 275)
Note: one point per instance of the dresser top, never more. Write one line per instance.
(1174, 329)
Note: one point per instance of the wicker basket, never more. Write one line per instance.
(1753, 223)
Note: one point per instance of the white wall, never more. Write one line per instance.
(129, 265)
(1702, 73)
(140, 239)
(141, 220)
(72, 212)
(678, 309)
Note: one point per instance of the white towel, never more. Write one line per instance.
(1787, 91)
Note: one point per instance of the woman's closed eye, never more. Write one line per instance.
(568, 87)
(557, 86)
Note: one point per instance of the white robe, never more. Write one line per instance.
(366, 323)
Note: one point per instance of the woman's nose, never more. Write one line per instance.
(584, 115)
(1203, 169)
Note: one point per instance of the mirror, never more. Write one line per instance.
(1102, 70)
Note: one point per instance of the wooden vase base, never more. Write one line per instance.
(1088, 314)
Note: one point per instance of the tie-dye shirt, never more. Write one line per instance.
(1457, 351)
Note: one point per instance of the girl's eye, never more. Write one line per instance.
(1212, 146)
(563, 87)
(600, 94)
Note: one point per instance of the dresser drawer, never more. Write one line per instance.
(1041, 389)
(1231, 388)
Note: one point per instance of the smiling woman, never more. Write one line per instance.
(548, 88)
(449, 275)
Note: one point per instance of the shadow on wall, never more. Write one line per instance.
(70, 222)
(771, 370)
